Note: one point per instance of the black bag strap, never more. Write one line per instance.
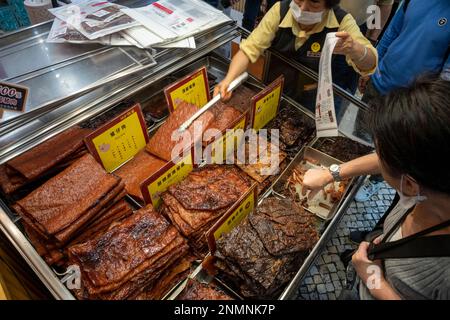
(423, 247)
(413, 246)
(284, 8)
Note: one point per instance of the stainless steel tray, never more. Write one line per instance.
(322, 159)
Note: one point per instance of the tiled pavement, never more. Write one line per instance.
(327, 275)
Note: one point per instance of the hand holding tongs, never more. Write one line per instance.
(233, 85)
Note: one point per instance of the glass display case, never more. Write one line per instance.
(100, 89)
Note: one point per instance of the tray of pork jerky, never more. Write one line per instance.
(342, 148)
(325, 203)
(268, 253)
(258, 258)
(87, 225)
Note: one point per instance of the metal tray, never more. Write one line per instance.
(322, 159)
(361, 148)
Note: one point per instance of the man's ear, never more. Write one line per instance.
(410, 186)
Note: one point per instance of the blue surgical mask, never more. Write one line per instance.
(305, 17)
(408, 202)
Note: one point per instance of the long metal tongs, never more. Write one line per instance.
(233, 85)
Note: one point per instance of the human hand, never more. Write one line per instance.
(369, 271)
(345, 45)
(315, 180)
(222, 89)
(362, 84)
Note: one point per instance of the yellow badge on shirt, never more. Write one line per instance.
(315, 47)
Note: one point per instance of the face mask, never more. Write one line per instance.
(408, 202)
(305, 17)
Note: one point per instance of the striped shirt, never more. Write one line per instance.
(413, 278)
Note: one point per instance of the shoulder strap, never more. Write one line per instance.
(284, 8)
(339, 13)
(433, 246)
(424, 247)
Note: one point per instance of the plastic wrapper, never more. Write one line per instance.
(61, 32)
(94, 19)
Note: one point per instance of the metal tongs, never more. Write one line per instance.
(233, 85)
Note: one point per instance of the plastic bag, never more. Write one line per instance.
(61, 32)
(94, 18)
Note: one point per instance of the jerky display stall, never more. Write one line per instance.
(66, 215)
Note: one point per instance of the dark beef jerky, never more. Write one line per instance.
(284, 227)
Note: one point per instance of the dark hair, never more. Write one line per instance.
(331, 3)
(411, 130)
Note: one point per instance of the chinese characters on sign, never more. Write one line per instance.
(232, 217)
(193, 89)
(266, 104)
(169, 174)
(119, 140)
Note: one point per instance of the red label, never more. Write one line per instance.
(100, 4)
(166, 10)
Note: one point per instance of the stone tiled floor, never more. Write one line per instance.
(327, 275)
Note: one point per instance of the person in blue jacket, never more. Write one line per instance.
(416, 42)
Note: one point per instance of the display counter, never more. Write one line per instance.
(90, 110)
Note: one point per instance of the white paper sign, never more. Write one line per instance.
(326, 122)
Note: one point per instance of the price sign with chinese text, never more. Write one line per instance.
(266, 103)
(119, 140)
(171, 173)
(193, 89)
(243, 207)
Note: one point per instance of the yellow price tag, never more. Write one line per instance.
(228, 142)
(266, 108)
(119, 140)
(168, 175)
(266, 103)
(233, 217)
(193, 89)
(236, 217)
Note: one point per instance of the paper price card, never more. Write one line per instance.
(12, 97)
(243, 207)
(171, 173)
(220, 149)
(119, 140)
(193, 88)
(266, 103)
